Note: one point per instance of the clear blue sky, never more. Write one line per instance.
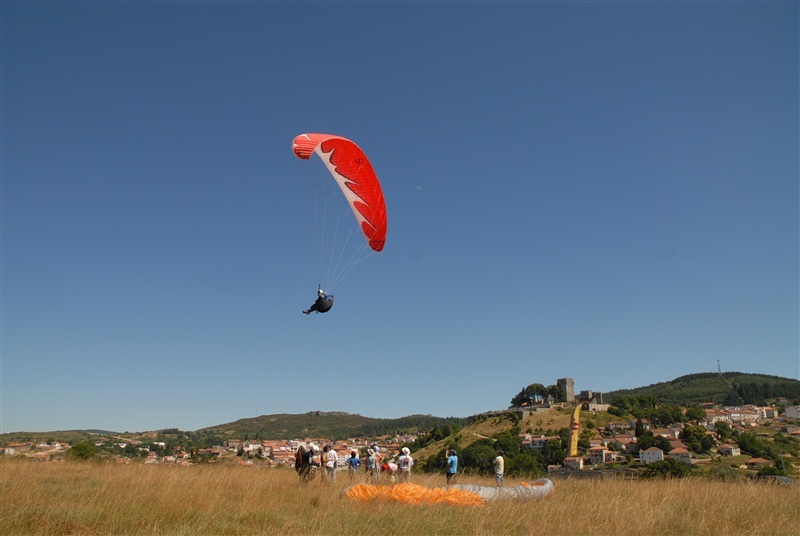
(604, 191)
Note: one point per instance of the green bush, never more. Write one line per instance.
(82, 451)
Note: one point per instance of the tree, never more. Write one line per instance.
(770, 471)
(526, 463)
(585, 441)
(662, 443)
(667, 468)
(479, 455)
(639, 430)
(131, 451)
(750, 444)
(82, 451)
(666, 414)
(531, 394)
(696, 439)
(508, 442)
(723, 430)
(621, 404)
(436, 463)
(695, 413)
(553, 453)
(645, 440)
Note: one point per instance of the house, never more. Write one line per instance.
(677, 444)
(601, 454)
(758, 463)
(14, 448)
(540, 441)
(792, 412)
(749, 415)
(617, 427)
(653, 454)
(729, 450)
(669, 433)
(714, 415)
(251, 446)
(574, 463)
(681, 455)
(625, 443)
(743, 415)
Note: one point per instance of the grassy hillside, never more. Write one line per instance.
(544, 423)
(726, 388)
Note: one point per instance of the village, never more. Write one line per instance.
(618, 441)
(614, 445)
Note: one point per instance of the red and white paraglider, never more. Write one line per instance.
(352, 171)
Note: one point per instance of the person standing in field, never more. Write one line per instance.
(389, 469)
(498, 464)
(452, 465)
(353, 462)
(405, 462)
(378, 460)
(304, 461)
(372, 467)
(332, 463)
(323, 462)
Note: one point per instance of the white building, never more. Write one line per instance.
(653, 454)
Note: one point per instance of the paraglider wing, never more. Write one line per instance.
(353, 172)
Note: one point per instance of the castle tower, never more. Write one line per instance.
(567, 388)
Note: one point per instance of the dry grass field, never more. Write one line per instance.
(87, 498)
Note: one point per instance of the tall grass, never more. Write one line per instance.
(83, 498)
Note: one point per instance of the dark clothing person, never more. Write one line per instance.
(302, 463)
(322, 305)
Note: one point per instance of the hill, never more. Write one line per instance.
(315, 424)
(727, 388)
(490, 426)
(334, 425)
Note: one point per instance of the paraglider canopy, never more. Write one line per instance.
(357, 180)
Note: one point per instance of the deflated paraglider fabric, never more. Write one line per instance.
(458, 495)
(353, 172)
(408, 493)
(525, 491)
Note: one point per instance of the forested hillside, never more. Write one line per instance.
(333, 425)
(727, 388)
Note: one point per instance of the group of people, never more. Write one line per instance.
(308, 460)
(306, 463)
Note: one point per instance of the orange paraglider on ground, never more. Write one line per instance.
(409, 493)
(458, 495)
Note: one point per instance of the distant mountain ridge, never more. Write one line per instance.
(726, 388)
(330, 424)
